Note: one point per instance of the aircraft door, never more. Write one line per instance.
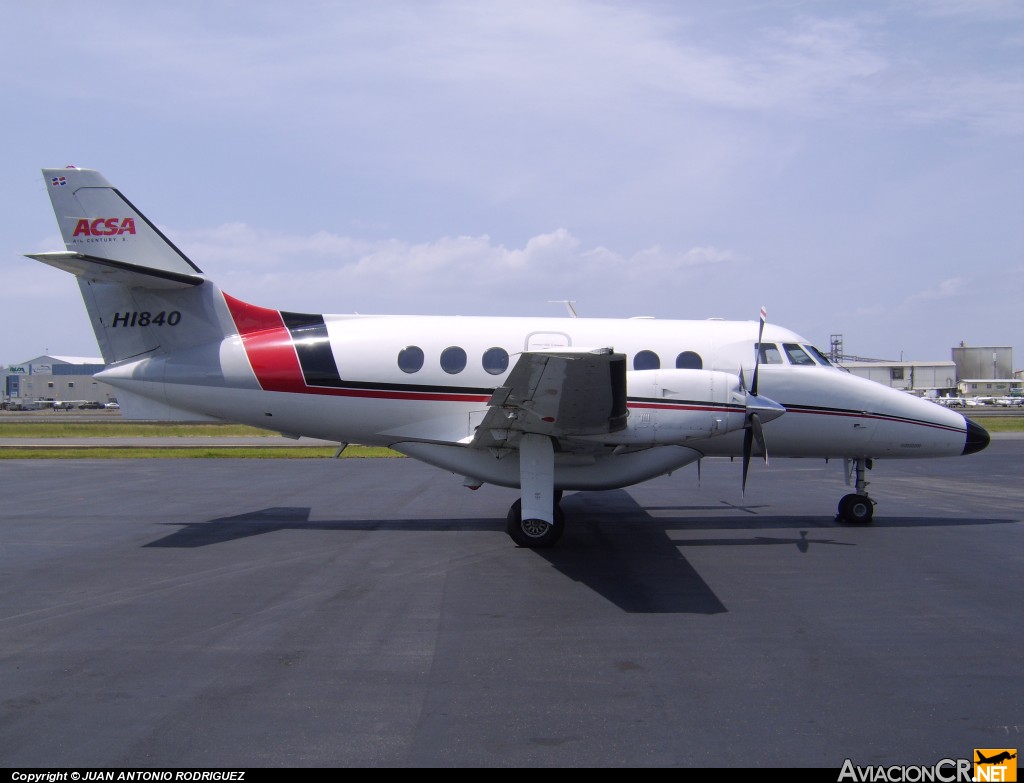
(542, 341)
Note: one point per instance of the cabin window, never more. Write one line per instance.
(410, 359)
(688, 360)
(495, 360)
(770, 354)
(646, 360)
(453, 360)
(797, 355)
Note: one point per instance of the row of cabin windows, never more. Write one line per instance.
(495, 360)
(453, 360)
(649, 360)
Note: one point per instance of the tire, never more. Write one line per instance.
(534, 533)
(856, 509)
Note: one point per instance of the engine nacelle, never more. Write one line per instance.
(674, 406)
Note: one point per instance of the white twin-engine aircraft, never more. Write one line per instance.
(542, 404)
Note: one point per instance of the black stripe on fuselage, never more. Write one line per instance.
(848, 412)
(313, 346)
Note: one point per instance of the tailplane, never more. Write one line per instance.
(144, 296)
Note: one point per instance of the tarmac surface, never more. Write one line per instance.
(373, 613)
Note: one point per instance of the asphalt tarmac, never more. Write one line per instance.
(373, 613)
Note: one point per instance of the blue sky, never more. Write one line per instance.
(857, 167)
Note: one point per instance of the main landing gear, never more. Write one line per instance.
(536, 520)
(857, 508)
(535, 533)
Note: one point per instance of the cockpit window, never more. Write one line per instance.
(770, 353)
(797, 355)
(822, 358)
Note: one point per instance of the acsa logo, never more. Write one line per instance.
(104, 227)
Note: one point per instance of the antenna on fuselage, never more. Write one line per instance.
(568, 305)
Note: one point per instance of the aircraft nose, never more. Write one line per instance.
(977, 438)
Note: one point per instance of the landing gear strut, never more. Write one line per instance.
(536, 520)
(857, 508)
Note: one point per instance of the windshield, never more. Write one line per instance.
(797, 355)
(818, 355)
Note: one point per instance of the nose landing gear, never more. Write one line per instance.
(857, 508)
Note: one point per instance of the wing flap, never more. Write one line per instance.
(559, 394)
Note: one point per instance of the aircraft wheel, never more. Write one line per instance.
(534, 533)
(856, 509)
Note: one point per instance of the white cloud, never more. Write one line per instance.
(343, 65)
(685, 159)
(947, 289)
(469, 270)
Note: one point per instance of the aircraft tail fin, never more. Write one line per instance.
(144, 296)
(97, 220)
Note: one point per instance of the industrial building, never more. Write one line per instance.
(55, 381)
(974, 371)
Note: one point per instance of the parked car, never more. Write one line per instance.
(91, 406)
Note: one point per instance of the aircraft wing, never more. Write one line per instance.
(556, 393)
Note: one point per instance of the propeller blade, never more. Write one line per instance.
(757, 350)
(748, 440)
(753, 428)
(757, 428)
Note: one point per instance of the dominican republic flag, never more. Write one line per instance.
(58, 182)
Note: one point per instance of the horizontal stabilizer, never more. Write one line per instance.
(107, 270)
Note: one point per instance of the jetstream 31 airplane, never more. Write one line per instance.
(542, 404)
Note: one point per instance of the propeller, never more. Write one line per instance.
(758, 410)
(757, 349)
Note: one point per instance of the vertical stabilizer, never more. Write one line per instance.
(143, 295)
(95, 219)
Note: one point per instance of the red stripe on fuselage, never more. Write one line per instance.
(268, 344)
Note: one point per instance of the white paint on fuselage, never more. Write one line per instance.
(830, 413)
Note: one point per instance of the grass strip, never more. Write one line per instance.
(195, 452)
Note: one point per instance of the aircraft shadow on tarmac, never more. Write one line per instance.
(618, 548)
